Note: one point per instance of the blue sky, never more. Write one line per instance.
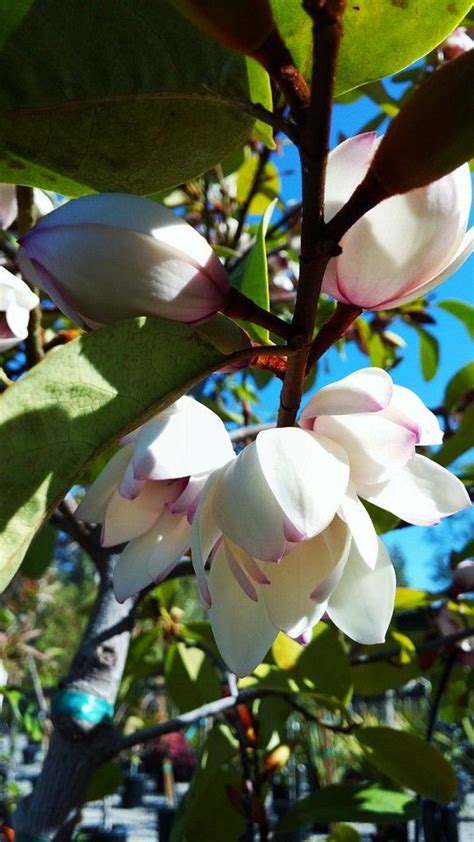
(418, 545)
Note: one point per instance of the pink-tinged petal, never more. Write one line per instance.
(421, 493)
(205, 532)
(347, 166)
(408, 410)
(292, 581)
(362, 603)
(37, 274)
(465, 250)
(239, 574)
(188, 500)
(366, 390)
(152, 556)
(404, 242)
(129, 487)
(361, 527)
(242, 628)
(284, 483)
(376, 447)
(188, 438)
(248, 563)
(93, 507)
(128, 519)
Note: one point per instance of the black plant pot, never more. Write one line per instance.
(134, 789)
(166, 814)
(31, 753)
(116, 833)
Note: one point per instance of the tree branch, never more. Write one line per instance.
(316, 251)
(33, 344)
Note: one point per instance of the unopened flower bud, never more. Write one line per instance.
(463, 577)
(113, 256)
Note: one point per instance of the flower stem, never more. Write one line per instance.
(33, 342)
(238, 306)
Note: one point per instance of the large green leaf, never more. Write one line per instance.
(460, 384)
(461, 441)
(255, 277)
(191, 680)
(124, 95)
(70, 406)
(345, 802)
(410, 761)
(324, 664)
(380, 36)
(462, 310)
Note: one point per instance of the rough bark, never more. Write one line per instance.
(77, 747)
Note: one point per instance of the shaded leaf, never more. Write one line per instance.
(459, 385)
(134, 96)
(410, 761)
(191, 680)
(461, 441)
(255, 276)
(105, 780)
(40, 553)
(429, 353)
(347, 803)
(61, 414)
(324, 664)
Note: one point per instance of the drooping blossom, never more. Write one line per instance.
(16, 301)
(455, 45)
(148, 492)
(405, 246)
(110, 256)
(379, 425)
(280, 557)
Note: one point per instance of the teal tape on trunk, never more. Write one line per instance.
(82, 706)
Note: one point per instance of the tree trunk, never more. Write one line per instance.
(77, 746)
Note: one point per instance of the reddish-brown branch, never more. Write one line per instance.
(332, 331)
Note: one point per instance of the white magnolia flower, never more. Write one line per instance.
(148, 492)
(110, 256)
(404, 247)
(379, 425)
(251, 599)
(16, 301)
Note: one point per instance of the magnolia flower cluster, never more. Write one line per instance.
(279, 535)
(107, 257)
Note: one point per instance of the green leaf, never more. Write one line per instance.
(269, 184)
(406, 599)
(347, 803)
(381, 37)
(324, 664)
(383, 521)
(462, 311)
(460, 442)
(344, 833)
(255, 277)
(134, 96)
(40, 553)
(105, 780)
(61, 414)
(409, 761)
(459, 385)
(191, 679)
(429, 353)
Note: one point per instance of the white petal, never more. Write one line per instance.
(152, 556)
(376, 447)
(347, 166)
(293, 581)
(22, 293)
(94, 505)
(17, 318)
(242, 628)
(421, 493)
(284, 487)
(406, 408)
(186, 439)
(465, 250)
(130, 487)
(362, 603)
(206, 531)
(127, 519)
(366, 390)
(360, 526)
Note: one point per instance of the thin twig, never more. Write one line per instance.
(426, 646)
(33, 343)
(253, 190)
